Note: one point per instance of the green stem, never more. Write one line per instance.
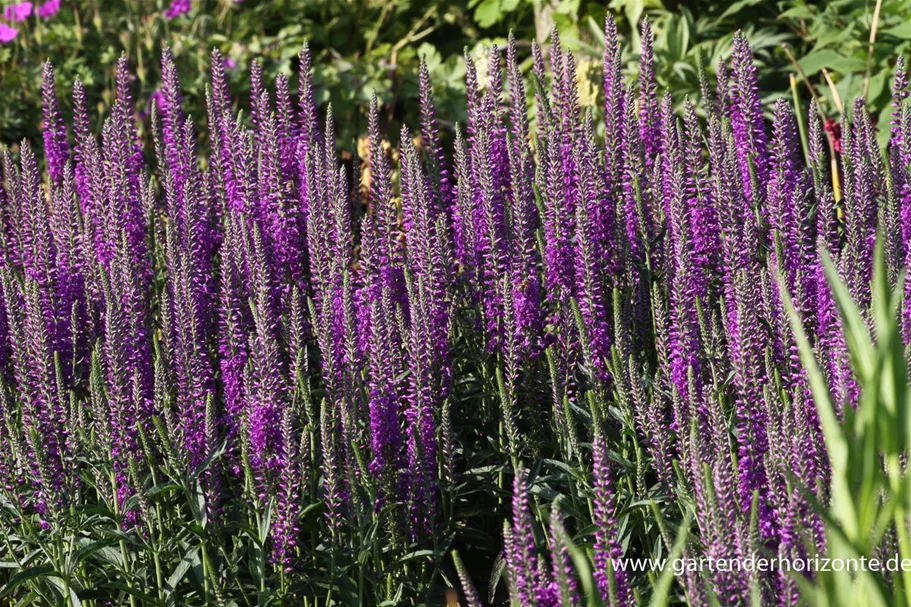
(158, 579)
(124, 554)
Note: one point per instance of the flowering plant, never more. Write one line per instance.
(242, 369)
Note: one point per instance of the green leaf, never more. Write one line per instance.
(596, 31)
(736, 7)
(27, 599)
(102, 550)
(584, 574)
(826, 58)
(488, 13)
(663, 587)
(163, 488)
(264, 523)
(133, 591)
(902, 31)
(196, 499)
(188, 560)
(65, 590)
(856, 332)
(204, 464)
(797, 12)
(413, 556)
(24, 576)
(499, 566)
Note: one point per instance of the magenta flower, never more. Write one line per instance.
(230, 63)
(7, 33)
(156, 98)
(18, 12)
(177, 8)
(49, 9)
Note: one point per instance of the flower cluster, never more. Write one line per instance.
(178, 8)
(19, 12)
(286, 329)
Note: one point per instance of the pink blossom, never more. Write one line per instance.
(177, 8)
(7, 33)
(156, 99)
(49, 9)
(18, 12)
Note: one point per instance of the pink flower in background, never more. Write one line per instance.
(177, 8)
(230, 63)
(156, 99)
(18, 12)
(7, 33)
(49, 9)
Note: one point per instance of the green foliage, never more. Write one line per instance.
(360, 47)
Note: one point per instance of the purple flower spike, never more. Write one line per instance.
(56, 146)
(521, 554)
(746, 116)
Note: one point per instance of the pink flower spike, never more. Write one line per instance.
(49, 9)
(177, 8)
(18, 12)
(7, 33)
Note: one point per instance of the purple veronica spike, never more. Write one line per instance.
(56, 146)
(269, 389)
(746, 117)
(525, 280)
(472, 95)
(826, 220)
(592, 260)
(521, 554)
(789, 212)
(687, 286)
(649, 116)
(565, 590)
(614, 111)
(286, 525)
(542, 99)
(701, 205)
(862, 195)
(607, 543)
(440, 188)
(900, 161)
(427, 342)
(465, 232)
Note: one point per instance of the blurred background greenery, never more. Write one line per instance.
(364, 45)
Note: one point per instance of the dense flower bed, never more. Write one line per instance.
(252, 370)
